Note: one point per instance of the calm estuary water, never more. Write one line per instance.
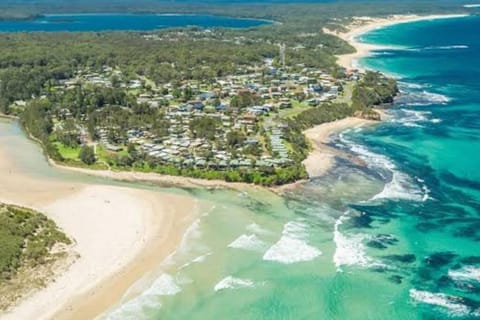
(123, 22)
(395, 239)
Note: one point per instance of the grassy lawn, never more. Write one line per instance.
(104, 154)
(297, 107)
(346, 96)
(67, 152)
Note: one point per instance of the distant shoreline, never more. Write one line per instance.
(43, 16)
(363, 25)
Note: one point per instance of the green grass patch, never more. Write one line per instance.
(67, 153)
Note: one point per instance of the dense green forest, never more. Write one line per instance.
(30, 61)
(26, 240)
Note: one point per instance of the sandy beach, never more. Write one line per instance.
(119, 233)
(361, 25)
(160, 179)
(322, 157)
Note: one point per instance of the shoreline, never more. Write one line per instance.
(322, 158)
(160, 239)
(362, 25)
(165, 180)
(151, 225)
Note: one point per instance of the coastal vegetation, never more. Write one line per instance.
(30, 244)
(211, 104)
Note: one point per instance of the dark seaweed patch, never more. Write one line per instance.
(381, 241)
(439, 259)
(461, 182)
(403, 258)
(396, 279)
(361, 221)
(376, 244)
(444, 281)
(471, 260)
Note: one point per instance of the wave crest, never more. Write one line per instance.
(452, 304)
(468, 273)
(400, 186)
(292, 246)
(248, 242)
(233, 283)
(350, 250)
(422, 98)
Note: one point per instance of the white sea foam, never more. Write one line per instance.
(409, 118)
(422, 98)
(292, 246)
(410, 85)
(400, 186)
(290, 250)
(201, 258)
(133, 310)
(198, 259)
(248, 242)
(165, 285)
(451, 47)
(350, 250)
(452, 304)
(255, 228)
(233, 283)
(468, 273)
(412, 118)
(190, 245)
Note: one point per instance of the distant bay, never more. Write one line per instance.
(123, 22)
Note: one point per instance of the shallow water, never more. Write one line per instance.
(395, 239)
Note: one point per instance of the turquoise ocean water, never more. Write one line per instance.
(397, 238)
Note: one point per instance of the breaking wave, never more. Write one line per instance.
(412, 118)
(468, 273)
(453, 305)
(233, 283)
(349, 249)
(409, 85)
(255, 228)
(165, 285)
(436, 48)
(451, 47)
(198, 259)
(248, 242)
(292, 246)
(421, 98)
(400, 186)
